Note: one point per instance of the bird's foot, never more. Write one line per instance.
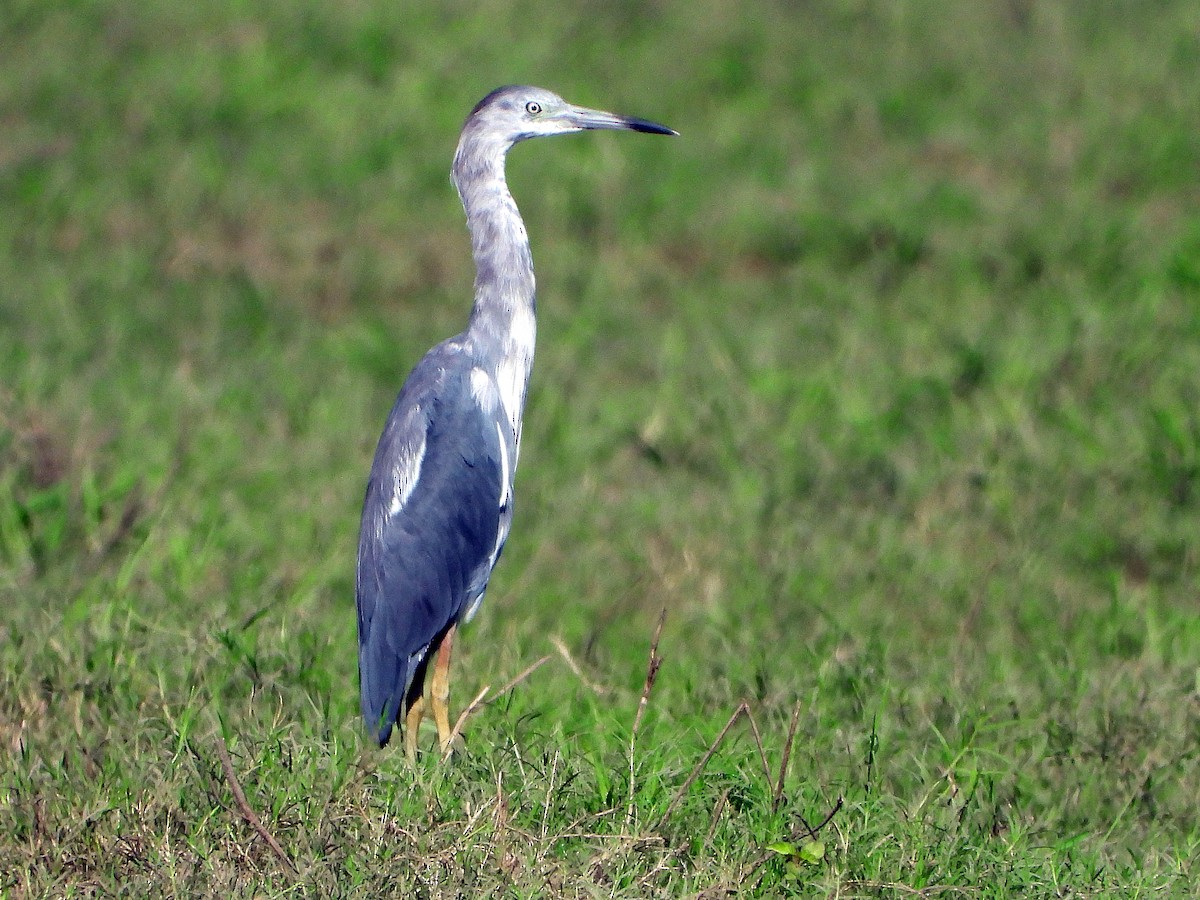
(412, 727)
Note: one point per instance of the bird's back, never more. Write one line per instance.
(434, 521)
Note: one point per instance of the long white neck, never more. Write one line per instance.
(502, 328)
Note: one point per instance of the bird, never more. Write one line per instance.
(438, 503)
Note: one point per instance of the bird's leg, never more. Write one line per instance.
(412, 725)
(439, 690)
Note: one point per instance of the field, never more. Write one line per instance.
(882, 380)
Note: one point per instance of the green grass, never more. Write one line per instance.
(882, 380)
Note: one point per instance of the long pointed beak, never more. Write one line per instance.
(590, 119)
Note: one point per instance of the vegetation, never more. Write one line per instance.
(881, 380)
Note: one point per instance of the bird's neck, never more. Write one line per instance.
(503, 325)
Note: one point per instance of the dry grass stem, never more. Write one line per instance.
(651, 675)
(525, 673)
(652, 667)
(758, 742)
(467, 712)
(247, 812)
(787, 756)
(742, 709)
(482, 699)
(592, 686)
(794, 836)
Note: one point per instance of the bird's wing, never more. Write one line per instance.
(431, 527)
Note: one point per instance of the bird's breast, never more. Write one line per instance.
(512, 380)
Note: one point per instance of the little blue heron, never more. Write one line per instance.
(439, 498)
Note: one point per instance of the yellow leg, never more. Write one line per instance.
(412, 725)
(439, 690)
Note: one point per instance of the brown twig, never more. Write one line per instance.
(482, 699)
(529, 670)
(812, 834)
(248, 813)
(742, 709)
(651, 675)
(787, 756)
(467, 712)
(652, 668)
(758, 742)
(574, 667)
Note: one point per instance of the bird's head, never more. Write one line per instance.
(514, 113)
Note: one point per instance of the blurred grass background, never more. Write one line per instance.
(882, 379)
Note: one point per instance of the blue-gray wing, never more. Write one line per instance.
(431, 527)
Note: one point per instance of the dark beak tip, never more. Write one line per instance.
(647, 127)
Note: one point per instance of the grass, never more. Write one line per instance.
(881, 380)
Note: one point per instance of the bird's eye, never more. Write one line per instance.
(533, 108)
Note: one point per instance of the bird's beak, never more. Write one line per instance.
(590, 119)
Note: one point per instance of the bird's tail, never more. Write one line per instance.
(383, 685)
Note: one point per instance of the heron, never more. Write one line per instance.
(438, 503)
